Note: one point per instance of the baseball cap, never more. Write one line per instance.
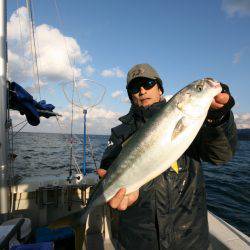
(143, 70)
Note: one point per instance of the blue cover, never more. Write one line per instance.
(36, 246)
(21, 100)
(46, 234)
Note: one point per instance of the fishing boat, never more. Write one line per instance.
(28, 207)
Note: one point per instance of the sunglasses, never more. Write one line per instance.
(134, 87)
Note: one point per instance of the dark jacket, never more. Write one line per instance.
(171, 212)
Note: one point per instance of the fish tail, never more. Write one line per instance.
(72, 220)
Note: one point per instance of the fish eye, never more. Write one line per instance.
(199, 87)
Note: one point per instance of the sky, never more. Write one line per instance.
(96, 42)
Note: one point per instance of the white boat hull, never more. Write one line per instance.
(50, 198)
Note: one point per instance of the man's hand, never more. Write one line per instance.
(120, 201)
(219, 101)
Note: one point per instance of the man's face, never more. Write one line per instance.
(147, 97)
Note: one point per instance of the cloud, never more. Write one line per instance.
(99, 121)
(87, 95)
(236, 7)
(242, 120)
(117, 94)
(238, 55)
(114, 72)
(19, 67)
(59, 57)
(82, 84)
(89, 70)
(168, 97)
(125, 100)
(56, 63)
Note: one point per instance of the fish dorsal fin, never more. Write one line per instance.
(179, 127)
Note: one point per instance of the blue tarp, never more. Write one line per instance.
(21, 100)
(36, 246)
(46, 234)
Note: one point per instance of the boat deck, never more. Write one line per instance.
(225, 236)
(222, 235)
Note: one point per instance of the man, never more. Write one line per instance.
(170, 211)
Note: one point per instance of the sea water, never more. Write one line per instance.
(228, 186)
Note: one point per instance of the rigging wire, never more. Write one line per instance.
(65, 44)
(33, 46)
(22, 37)
(37, 50)
(90, 107)
(74, 80)
(19, 123)
(75, 138)
(20, 129)
(73, 89)
(20, 26)
(64, 40)
(79, 141)
(34, 52)
(71, 129)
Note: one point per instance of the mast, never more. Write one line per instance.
(4, 194)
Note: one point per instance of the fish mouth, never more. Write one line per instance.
(213, 83)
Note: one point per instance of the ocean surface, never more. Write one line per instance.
(228, 186)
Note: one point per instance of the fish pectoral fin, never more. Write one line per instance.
(179, 128)
(175, 167)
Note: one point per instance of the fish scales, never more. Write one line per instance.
(156, 146)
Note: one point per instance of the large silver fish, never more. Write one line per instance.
(155, 147)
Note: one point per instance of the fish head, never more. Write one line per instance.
(195, 99)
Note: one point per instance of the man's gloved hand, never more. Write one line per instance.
(120, 201)
(220, 107)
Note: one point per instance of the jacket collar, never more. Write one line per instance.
(141, 113)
